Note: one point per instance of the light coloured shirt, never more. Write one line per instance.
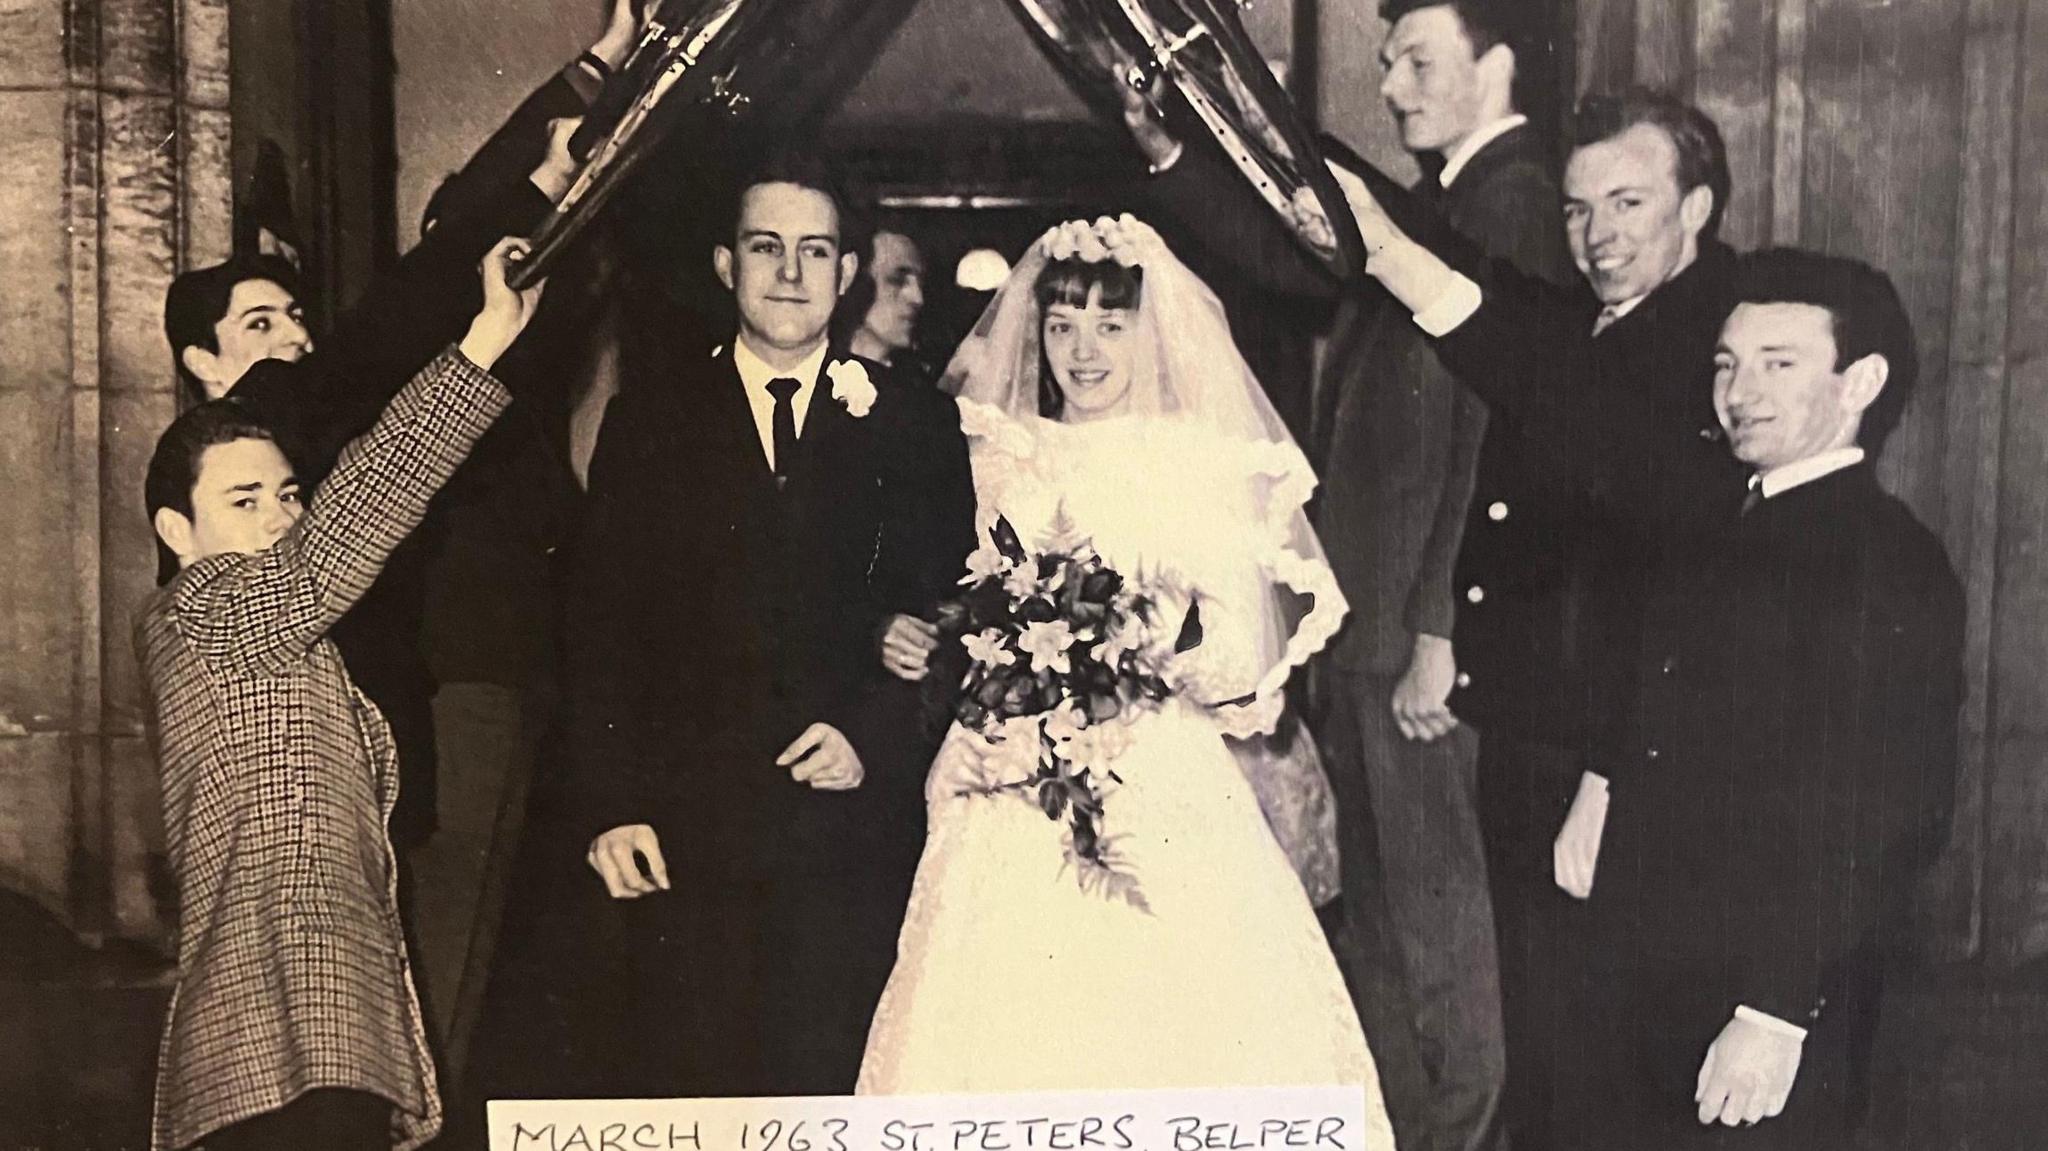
(1780, 480)
(756, 375)
(1469, 147)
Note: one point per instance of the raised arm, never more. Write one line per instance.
(255, 614)
(1515, 338)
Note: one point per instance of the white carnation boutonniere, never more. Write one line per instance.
(852, 387)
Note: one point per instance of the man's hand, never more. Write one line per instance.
(616, 856)
(1748, 1073)
(1374, 227)
(1577, 849)
(907, 646)
(1422, 697)
(622, 31)
(1141, 120)
(505, 312)
(823, 758)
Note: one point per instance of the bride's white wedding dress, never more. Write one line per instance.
(1012, 974)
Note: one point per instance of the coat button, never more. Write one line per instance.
(1475, 594)
(1670, 665)
(1654, 753)
(1464, 679)
(1497, 511)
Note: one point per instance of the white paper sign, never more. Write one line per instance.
(1224, 1119)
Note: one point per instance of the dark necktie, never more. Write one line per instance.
(1755, 497)
(783, 436)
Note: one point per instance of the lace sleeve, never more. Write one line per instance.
(1292, 570)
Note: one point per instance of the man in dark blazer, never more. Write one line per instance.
(1789, 761)
(1550, 591)
(1777, 753)
(1400, 446)
(747, 778)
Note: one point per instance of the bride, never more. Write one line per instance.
(1103, 398)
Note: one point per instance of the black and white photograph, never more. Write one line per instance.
(987, 575)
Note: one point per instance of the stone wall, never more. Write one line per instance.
(114, 176)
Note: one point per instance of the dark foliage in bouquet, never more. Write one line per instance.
(1061, 636)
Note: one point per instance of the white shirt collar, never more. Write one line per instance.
(1469, 147)
(1624, 307)
(756, 375)
(1780, 480)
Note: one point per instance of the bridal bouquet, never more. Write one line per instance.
(1061, 638)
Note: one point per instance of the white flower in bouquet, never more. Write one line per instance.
(986, 648)
(1022, 581)
(983, 562)
(1047, 644)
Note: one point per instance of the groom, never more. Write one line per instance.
(750, 781)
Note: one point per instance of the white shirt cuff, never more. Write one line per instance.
(1172, 158)
(1451, 305)
(1770, 1022)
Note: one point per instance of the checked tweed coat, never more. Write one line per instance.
(278, 776)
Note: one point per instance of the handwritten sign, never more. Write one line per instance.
(1224, 1119)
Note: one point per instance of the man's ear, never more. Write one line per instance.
(175, 531)
(721, 263)
(205, 367)
(1497, 66)
(1863, 380)
(1696, 209)
(849, 267)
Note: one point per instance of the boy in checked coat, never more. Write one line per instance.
(294, 1022)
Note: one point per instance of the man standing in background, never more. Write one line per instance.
(1398, 441)
(1401, 443)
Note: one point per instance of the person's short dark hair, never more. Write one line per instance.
(1868, 317)
(852, 309)
(805, 168)
(199, 299)
(1069, 282)
(1702, 157)
(174, 465)
(1486, 22)
(1515, 23)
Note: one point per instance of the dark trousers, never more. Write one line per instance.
(324, 1119)
(1417, 942)
(1525, 789)
(486, 738)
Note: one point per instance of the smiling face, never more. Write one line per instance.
(245, 499)
(1437, 88)
(1629, 225)
(1778, 389)
(1092, 352)
(787, 271)
(263, 322)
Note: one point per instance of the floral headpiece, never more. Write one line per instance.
(1125, 239)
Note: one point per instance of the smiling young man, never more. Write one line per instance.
(1794, 746)
(294, 1022)
(745, 780)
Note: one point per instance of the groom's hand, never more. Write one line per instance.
(823, 758)
(907, 646)
(616, 855)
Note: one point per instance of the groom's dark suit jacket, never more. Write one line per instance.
(713, 617)
(716, 615)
